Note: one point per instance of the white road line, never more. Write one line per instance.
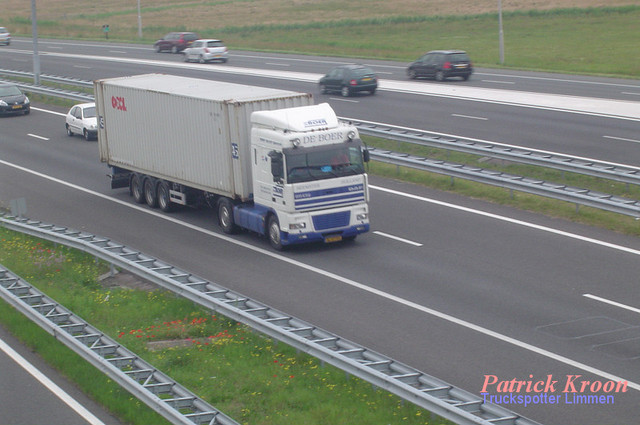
(82, 67)
(498, 82)
(614, 303)
(407, 241)
(621, 138)
(470, 117)
(277, 64)
(374, 291)
(50, 385)
(118, 51)
(341, 99)
(632, 93)
(37, 137)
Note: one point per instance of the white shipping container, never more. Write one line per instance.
(186, 130)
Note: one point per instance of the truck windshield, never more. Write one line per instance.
(305, 165)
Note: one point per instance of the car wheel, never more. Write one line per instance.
(150, 195)
(85, 133)
(27, 112)
(69, 132)
(201, 59)
(465, 77)
(412, 74)
(186, 57)
(136, 189)
(164, 199)
(225, 216)
(346, 91)
(373, 92)
(158, 49)
(274, 233)
(323, 89)
(224, 60)
(174, 49)
(440, 76)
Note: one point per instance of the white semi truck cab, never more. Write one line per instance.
(309, 180)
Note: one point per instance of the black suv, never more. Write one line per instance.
(12, 100)
(349, 79)
(441, 64)
(175, 42)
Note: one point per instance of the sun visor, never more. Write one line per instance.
(303, 118)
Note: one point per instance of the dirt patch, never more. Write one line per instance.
(124, 279)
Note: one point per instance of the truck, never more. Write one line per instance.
(266, 160)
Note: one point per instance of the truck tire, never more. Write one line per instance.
(164, 200)
(150, 195)
(137, 191)
(273, 233)
(225, 216)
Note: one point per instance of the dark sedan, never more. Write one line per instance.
(349, 79)
(12, 100)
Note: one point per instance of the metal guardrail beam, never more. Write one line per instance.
(406, 382)
(554, 160)
(562, 192)
(154, 388)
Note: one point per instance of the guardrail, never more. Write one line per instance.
(157, 390)
(579, 196)
(406, 382)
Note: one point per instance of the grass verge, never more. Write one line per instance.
(251, 378)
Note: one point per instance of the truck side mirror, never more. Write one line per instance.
(277, 166)
(366, 156)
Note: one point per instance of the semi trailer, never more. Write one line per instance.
(269, 161)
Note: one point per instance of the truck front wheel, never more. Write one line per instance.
(274, 233)
(225, 216)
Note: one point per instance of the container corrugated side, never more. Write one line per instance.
(194, 140)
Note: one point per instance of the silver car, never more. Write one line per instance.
(81, 119)
(206, 50)
(5, 37)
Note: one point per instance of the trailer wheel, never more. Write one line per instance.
(136, 189)
(150, 195)
(164, 201)
(225, 216)
(274, 233)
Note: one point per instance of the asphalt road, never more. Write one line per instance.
(464, 289)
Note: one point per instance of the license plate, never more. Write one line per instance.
(366, 79)
(335, 238)
(16, 107)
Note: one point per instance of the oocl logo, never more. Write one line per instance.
(118, 103)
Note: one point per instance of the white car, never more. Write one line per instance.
(81, 119)
(5, 37)
(206, 50)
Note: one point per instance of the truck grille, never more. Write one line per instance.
(331, 221)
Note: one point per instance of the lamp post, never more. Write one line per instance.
(139, 21)
(34, 30)
(500, 32)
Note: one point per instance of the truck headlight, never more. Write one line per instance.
(362, 216)
(297, 226)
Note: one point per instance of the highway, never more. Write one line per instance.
(458, 288)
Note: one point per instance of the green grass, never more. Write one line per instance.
(253, 379)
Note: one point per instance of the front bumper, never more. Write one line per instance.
(326, 237)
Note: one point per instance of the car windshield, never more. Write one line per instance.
(215, 44)
(90, 112)
(3, 29)
(328, 162)
(10, 91)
